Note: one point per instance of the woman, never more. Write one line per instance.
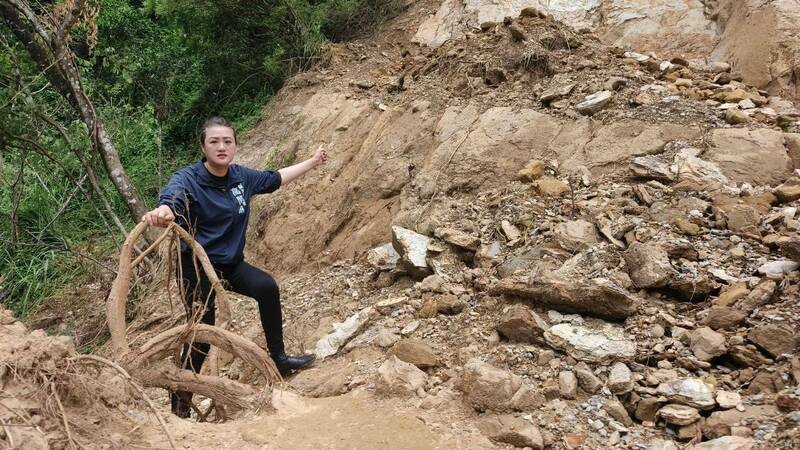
(211, 200)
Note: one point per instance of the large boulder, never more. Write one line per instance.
(775, 340)
(597, 297)
(486, 387)
(723, 317)
(689, 391)
(593, 346)
(758, 156)
(719, 423)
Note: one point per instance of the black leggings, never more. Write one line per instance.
(241, 278)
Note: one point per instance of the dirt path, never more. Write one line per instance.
(356, 420)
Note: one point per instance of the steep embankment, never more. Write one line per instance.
(545, 186)
(469, 114)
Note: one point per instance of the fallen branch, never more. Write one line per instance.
(149, 363)
(70, 439)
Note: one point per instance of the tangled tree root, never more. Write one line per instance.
(148, 365)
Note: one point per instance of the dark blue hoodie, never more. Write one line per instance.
(215, 210)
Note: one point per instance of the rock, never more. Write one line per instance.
(729, 296)
(735, 116)
(691, 431)
(531, 11)
(486, 387)
(517, 33)
(596, 297)
(728, 400)
(647, 408)
(390, 304)
(587, 380)
(617, 411)
(568, 384)
(725, 443)
(429, 309)
(450, 305)
(678, 414)
(521, 324)
(398, 378)
(778, 269)
(413, 249)
(648, 265)
(620, 379)
(576, 235)
(551, 187)
(385, 338)
(343, 332)
(409, 329)
(765, 382)
(365, 84)
(589, 345)
(773, 339)
(511, 232)
(719, 423)
(743, 218)
(651, 168)
(556, 93)
(512, 430)
(415, 352)
(532, 171)
(723, 317)
(692, 288)
(688, 391)
(660, 444)
(790, 247)
(759, 296)
(458, 238)
(592, 104)
(487, 253)
(384, 257)
(789, 191)
(494, 76)
(758, 156)
(788, 400)
(433, 283)
(707, 344)
(686, 227)
(748, 356)
(691, 169)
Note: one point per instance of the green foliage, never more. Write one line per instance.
(158, 69)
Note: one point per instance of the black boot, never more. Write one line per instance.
(286, 364)
(181, 403)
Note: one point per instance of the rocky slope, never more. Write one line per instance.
(572, 244)
(760, 39)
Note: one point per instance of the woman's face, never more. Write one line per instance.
(219, 146)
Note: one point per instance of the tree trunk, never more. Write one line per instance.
(47, 45)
